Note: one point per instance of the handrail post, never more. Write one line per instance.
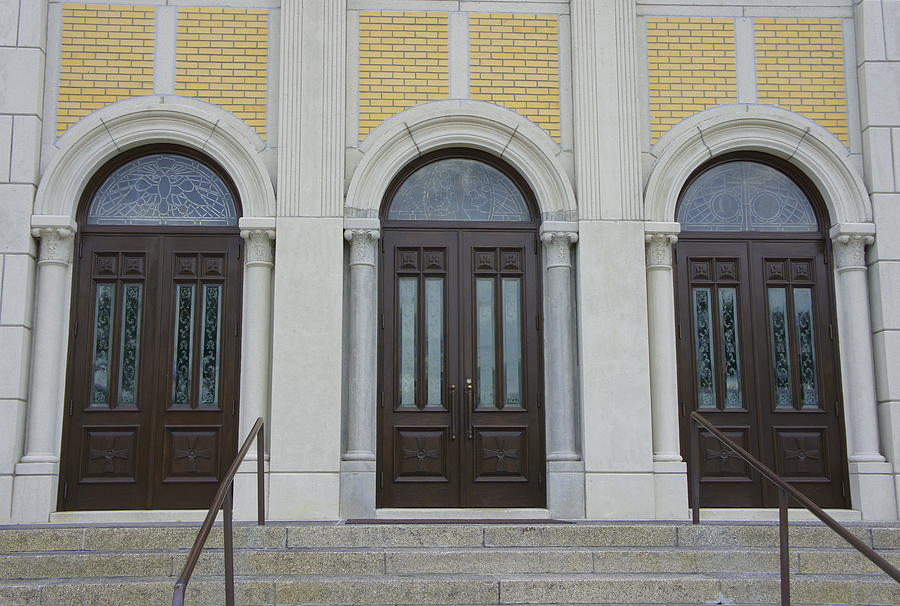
(784, 547)
(695, 472)
(261, 476)
(229, 546)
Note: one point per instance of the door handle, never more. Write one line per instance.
(470, 406)
(453, 412)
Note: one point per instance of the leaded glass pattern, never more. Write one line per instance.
(806, 348)
(434, 342)
(409, 306)
(209, 363)
(104, 308)
(163, 189)
(781, 349)
(703, 336)
(184, 345)
(745, 196)
(731, 355)
(485, 343)
(512, 342)
(458, 189)
(130, 344)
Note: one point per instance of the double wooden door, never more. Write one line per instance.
(153, 371)
(757, 357)
(460, 373)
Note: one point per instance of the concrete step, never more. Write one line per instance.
(589, 588)
(484, 560)
(300, 535)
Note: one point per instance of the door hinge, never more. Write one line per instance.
(537, 322)
(541, 479)
(540, 400)
(382, 321)
(239, 252)
(81, 249)
(381, 480)
(825, 256)
(75, 329)
(837, 410)
(843, 490)
(831, 331)
(381, 404)
(233, 407)
(678, 331)
(70, 407)
(65, 490)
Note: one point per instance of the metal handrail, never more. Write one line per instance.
(224, 500)
(785, 493)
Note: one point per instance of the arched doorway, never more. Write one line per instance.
(154, 355)
(756, 337)
(460, 380)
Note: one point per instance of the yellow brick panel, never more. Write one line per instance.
(403, 61)
(515, 63)
(691, 63)
(106, 56)
(800, 67)
(222, 58)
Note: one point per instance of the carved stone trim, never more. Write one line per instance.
(56, 244)
(258, 248)
(362, 245)
(659, 249)
(559, 247)
(850, 250)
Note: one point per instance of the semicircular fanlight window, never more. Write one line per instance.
(163, 189)
(458, 189)
(745, 196)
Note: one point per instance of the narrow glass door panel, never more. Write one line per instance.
(703, 336)
(781, 349)
(104, 312)
(434, 342)
(486, 354)
(182, 370)
(409, 308)
(806, 345)
(209, 363)
(512, 343)
(130, 346)
(731, 351)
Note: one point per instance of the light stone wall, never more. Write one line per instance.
(22, 56)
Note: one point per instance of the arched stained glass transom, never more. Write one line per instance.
(743, 196)
(458, 189)
(163, 189)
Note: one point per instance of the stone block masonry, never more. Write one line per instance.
(800, 67)
(221, 58)
(691, 62)
(403, 61)
(106, 56)
(515, 63)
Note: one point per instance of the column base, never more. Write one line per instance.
(34, 492)
(670, 490)
(357, 489)
(873, 491)
(565, 489)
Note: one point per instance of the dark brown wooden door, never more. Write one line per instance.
(153, 373)
(460, 423)
(757, 357)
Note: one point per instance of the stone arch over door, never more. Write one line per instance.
(533, 155)
(77, 156)
(827, 164)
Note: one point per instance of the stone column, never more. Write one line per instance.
(257, 323)
(670, 472)
(565, 467)
(358, 460)
(871, 478)
(34, 494)
(256, 354)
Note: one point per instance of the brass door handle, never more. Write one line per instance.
(453, 412)
(470, 406)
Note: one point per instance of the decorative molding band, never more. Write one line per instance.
(362, 245)
(659, 249)
(57, 244)
(559, 247)
(258, 247)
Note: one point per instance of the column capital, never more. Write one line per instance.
(362, 245)
(659, 249)
(559, 247)
(57, 243)
(850, 250)
(258, 245)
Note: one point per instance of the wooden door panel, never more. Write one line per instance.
(125, 445)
